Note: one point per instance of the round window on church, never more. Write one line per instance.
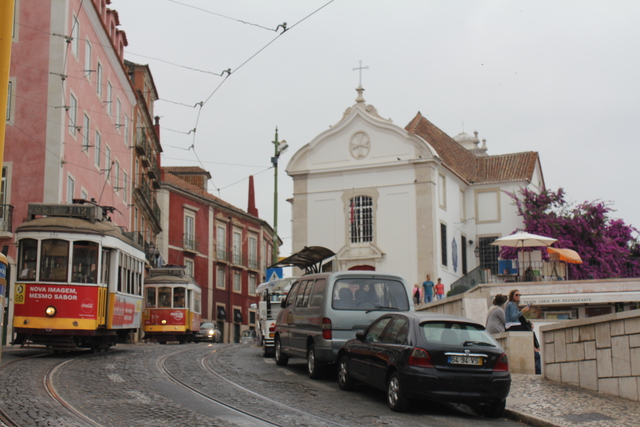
(360, 145)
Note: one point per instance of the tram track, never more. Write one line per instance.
(4, 416)
(59, 404)
(275, 405)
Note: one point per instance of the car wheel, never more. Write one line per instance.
(281, 358)
(345, 380)
(395, 396)
(313, 369)
(494, 409)
(266, 352)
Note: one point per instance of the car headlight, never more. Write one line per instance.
(211, 332)
(50, 311)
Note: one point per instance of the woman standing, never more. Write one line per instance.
(495, 317)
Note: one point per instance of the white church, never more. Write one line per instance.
(411, 201)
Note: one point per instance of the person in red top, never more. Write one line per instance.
(439, 289)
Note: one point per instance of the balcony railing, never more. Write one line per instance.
(190, 243)
(142, 142)
(6, 218)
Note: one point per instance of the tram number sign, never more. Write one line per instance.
(19, 295)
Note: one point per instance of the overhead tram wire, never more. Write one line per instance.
(284, 30)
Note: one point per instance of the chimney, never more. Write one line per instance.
(252, 199)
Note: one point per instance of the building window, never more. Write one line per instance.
(96, 147)
(75, 34)
(87, 58)
(99, 80)
(252, 284)
(118, 113)
(3, 193)
(9, 98)
(442, 191)
(125, 184)
(489, 254)
(126, 130)
(237, 248)
(71, 188)
(189, 231)
(221, 279)
(443, 244)
(237, 284)
(253, 252)
(73, 113)
(109, 97)
(188, 267)
(463, 207)
(116, 176)
(84, 195)
(465, 267)
(85, 133)
(107, 163)
(221, 253)
(361, 219)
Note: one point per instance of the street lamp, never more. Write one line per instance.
(280, 147)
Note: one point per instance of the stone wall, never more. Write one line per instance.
(519, 349)
(472, 306)
(600, 353)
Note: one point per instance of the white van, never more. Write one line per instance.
(322, 311)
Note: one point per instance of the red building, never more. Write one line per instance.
(223, 247)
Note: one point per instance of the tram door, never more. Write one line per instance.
(103, 288)
(102, 306)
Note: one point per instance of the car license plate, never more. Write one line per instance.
(465, 360)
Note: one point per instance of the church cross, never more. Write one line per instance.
(360, 68)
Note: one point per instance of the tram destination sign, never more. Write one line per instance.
(87, 211)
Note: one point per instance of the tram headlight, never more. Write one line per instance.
(164, 322)
(50, 311)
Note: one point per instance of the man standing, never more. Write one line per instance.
(428, 289)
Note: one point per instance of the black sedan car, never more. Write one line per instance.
(428, 356)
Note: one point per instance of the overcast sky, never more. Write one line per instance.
(558, 77)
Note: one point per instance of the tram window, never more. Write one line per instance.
(28, 259)
(178, 297)
(120, 272)
(106, 265)
(164, 297)
(197, 304)
(151, 297)
(85, 262)
(55, 260)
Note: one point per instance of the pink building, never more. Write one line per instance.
(69, 121)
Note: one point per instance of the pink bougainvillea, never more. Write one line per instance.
(607, 246)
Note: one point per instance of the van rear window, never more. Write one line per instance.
(368, 294)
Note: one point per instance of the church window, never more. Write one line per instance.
(361, 219)
(442, 191)
(443, 243)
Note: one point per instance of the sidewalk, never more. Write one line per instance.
(539, 402)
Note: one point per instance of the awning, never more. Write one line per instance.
(308, 259)
(222, 314)
(237, 316)
(566, 255)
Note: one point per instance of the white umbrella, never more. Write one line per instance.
(523, 239)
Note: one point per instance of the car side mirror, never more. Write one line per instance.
(360, 335)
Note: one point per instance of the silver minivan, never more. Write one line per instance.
(324, 310)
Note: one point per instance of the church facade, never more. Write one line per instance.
(411, 201)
